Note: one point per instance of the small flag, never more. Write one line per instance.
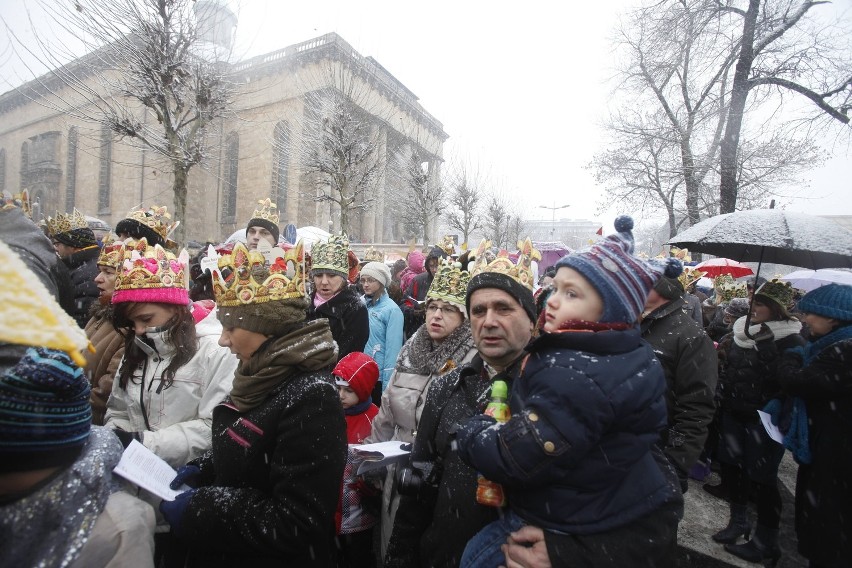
(599, 231)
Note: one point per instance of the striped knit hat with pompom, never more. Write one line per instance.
(622, 280)
(45, 414)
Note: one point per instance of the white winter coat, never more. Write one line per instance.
(179, 416)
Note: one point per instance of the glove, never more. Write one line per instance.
(186, 474)
(173, 511)
(763, 334)
(127, 437)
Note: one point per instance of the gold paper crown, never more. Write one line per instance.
(283, 279)
(722, 280)
(114, 251)
(331, 255)
(781, 292)
(30, 315)
(18, 200)
(731, 290)
(521, 271)
(690, 276)
(148, 267)
(156, 218)
(267, 211)
(447, 245)
(66, 222)
(373, 255)
(449, 284)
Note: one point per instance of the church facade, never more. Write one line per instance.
(254, 152)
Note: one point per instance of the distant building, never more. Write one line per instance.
(67, 163)
(575, 233)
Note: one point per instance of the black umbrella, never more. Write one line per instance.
(771, 235)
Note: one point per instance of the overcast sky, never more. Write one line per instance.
(520, 88)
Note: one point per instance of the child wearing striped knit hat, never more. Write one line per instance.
(578, 457)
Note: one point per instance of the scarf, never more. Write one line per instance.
(358, 408)
(780, 329)
(422, 356)
(791, 417)
(308, 348)
(810, 351)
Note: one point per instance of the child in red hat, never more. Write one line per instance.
(356, 375)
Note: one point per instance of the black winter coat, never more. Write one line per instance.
(348, 319)
(748, 377)
(432, 528)
(275, 480)
(691, 367)
(84, 267)
(823, 491)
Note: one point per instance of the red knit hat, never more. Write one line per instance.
(359, 372)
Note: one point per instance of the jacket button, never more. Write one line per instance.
(533, 417)
(549, 447)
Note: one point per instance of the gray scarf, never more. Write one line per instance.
(422, 356)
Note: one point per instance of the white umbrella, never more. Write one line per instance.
(808, 280)
(311, 235)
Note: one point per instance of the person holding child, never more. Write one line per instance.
(579, 456)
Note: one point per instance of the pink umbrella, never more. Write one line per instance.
(716, 266)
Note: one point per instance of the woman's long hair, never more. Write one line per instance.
(180, 335)
(776, 311)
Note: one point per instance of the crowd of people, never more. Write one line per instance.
(254, 367)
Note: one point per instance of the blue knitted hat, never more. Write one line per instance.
(622, 280)
(831, 301)
(45, 414)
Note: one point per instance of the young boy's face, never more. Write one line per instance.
(348, 398)
(573, 298)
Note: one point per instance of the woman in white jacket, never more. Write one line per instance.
(440, 345)
(173, 372)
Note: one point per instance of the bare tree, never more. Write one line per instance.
(342, 142)
(423, 198)
(464, 200)
(666, 140)
(142, 54)
(781, 49)
(503, 221)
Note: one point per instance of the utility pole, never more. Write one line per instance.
(553, 209)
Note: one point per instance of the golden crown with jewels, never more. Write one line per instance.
(252, 281)
(113, 251)
(447, 245)
(267, 211)
(373, 255)
(520, 271)
(332, 254)
(66, 222)
(450, 284)
(152, 274)
(156, 218)
(778, 290)
(690, 276)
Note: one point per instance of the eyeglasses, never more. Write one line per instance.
(367, 280)
(433, 307)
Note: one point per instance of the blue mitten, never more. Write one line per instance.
(185, 474)
(173, 511)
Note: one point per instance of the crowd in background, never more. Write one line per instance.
(253, 367)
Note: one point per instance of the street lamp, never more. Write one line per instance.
(553, 209)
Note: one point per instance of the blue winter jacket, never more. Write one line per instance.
(385, 339)
(576, 454)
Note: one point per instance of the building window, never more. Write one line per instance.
(71, 171)
(105, 170)
(2, 170)
(280, 166)
(229, 174)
